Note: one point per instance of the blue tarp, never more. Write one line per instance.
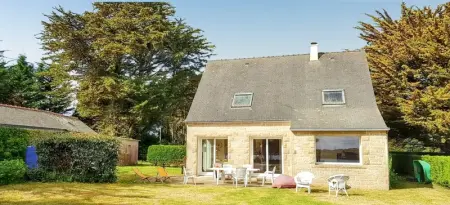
(31, 157)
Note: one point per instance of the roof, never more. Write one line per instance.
(289, 88)
(39, 119)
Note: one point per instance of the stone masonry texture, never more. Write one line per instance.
(298, 150)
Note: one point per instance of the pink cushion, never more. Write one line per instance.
(284, 181)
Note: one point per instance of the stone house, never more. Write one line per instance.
(27, 118)
(313, 112)
(33, 119)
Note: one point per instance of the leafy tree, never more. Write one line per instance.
(51, 95)
(409, 61)
(21, 83)
(3, 78)
(4, 90)
(126, 58)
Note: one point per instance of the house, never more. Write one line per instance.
(313, 112)
(27, 118)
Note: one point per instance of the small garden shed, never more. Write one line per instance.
(128, 151)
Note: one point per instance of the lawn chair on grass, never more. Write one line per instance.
(270, 175)
(240, 173)
(338, 183)
(162, 175)
(142, 177)
(303, 180)
(187, 175)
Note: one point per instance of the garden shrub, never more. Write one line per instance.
(12, 171)
(166, 154)
(394, 178)
(13, 143)
(76, 157)
(402, 162)
(440, 169)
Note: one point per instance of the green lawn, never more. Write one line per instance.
(126, 191)
(126, 174)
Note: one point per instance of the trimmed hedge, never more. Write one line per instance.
(402, 162)
(75, 157)
(440, 169)
(13, 143)
(166, 154)
(12, 171)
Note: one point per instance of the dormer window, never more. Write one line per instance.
(333, 97)
(242, 100)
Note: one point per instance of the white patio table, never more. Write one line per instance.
(218, 170)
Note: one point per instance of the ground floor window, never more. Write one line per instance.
(338, 149)
(213, 151)
(267, 155)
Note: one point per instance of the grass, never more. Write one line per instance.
(127, 191)
(126, 173)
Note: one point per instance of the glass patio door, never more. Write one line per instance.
(267, 155)
(207, 154)
(213, 151)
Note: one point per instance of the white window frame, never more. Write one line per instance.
(267, 151)
(242, 106)
(339, 163)
(333, 90)
(200, 152)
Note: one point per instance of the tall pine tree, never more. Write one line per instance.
(124, 56)
(21, 84)
(410, 64)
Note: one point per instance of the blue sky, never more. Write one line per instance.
(239, 29)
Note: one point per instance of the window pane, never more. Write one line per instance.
(337, 149)
(259, 154)
(207, 155)
(333, 97)
(221, 151)
(242, 100)
(275, 155)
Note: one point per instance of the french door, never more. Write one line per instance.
(212, 151)
(267, 154)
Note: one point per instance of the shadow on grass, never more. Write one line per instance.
(410, 185)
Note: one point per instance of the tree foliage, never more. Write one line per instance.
(136, 65)
(410, 65)
(22, 84)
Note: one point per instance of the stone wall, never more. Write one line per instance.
(299, 152)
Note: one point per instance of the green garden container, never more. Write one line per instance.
(422, 171)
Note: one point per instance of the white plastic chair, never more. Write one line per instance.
(215, 172)
(228, 171)
(240, 173)
(338, 183)
(250, 173)
(270, 174)
(187, 175)
(303, 180)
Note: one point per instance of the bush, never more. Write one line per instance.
(12, 171)
(394, 179)
(402, 162)
(13, 143)
(440, 169)
(75, 157)
(166, 154)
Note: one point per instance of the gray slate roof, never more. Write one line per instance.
(38, 119)
(289, 88)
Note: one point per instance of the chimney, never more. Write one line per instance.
(314, 52)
